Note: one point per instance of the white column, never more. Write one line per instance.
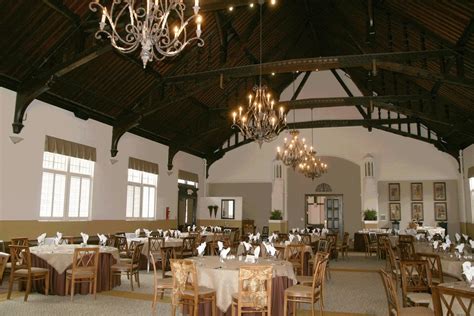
(369, 185)
(278, 189)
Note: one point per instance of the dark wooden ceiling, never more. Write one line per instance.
(49, 52)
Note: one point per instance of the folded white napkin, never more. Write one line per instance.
(468, 270)
(460, 248)
(447, 239)
(466, 237)
(472, 243)
(160, 231)
(167, 238)
(256, 251)
(189, 228)
(287, 242)
(165, 233)
(250, 237)
(194, 228)
(429, 237)
(270, 249)
(418, 236)
(291, 237)
(246, 245)
(85, 237)
(257, 236)
(224, 253)
(102, 239)
(177, 234)
(294, 230)
(220, 245)
(171, 232)
(270, 238)
(299, 238)
(58, 238)
(137, 232)
(201, 248)
(147, 232)
(435, 244)
(41, 238)
(458, 237)
(445, 246)
(324, 231)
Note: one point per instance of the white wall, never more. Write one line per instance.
(21, 171)
(468, 205)
(203, 211)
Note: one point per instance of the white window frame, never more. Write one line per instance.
(68, 174)
(141, 186)
(190, 183)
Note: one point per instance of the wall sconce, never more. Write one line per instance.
(16, 139)
(113, 161)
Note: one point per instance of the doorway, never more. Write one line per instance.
(325, 210)
(187, 205)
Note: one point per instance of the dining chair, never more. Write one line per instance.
(68, 239)
(308, 279)
(213, 248)
(406, 238)
(187, 249)
(160, 285)
(265, 231)
(19, 241)
(154, 247)
(306, 294)
(283, 237)
(392, 261)
(394, 308)
(380, 246)
(306, 239)
(322, 246)
(332, 240)
(343, 248)
(131, 268)
(255, 290)
(370, 247)
(22, 271)
(111, 242)
(84, 270)
(122, 245)
(454, 299)
(434, 263)
(406, 251)
(186, 289)
(167, 253)
(294, 253)
(416, 283)
(3, 264)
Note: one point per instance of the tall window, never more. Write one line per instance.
(141, 189)
(67, 187)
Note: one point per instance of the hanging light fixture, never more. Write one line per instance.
(159, 27)
(294, 149)
(261, 121)
(311, 166)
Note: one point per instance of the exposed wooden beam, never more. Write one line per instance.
(348, 123)
(59, 7)
(349, 92)
(300, 86)
(31, 89)
(310, 64)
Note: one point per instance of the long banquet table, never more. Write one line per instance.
(59, 258)
(224, 278)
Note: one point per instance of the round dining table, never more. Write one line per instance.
(223, 277)
(59, 258)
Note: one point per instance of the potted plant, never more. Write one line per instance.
(276, 215)
(210, 208)
(370, 215)
(215, 207)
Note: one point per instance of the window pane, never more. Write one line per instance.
(181, 181)
(46, 194)
(136, 202)
(85, 196)
(48, 160)
(134, 176)
(81, 166)
(145, 208)
(150, 178)
(74, 191)
(59, 191)
(60, 162)
(130, 201)
(151, 203)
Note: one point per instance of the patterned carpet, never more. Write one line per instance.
(354, 289)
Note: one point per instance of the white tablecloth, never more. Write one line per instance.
(60, 257)
(224, 276)
(171, 242)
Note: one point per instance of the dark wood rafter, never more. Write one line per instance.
(349, 123)
(31, 89)
(172, 151)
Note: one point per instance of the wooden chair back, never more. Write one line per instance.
(19, 241)
(323, 245)
(85, 260)
(455, 300)
(319, 274)
(295, 254)
(416, 277)
(121, 243)
(265, 231)
(132, 246)
(391, 292)
(3, 263)
(255, 288)
(155, 244)
(218, 237)
(372, 237)
(345, 239)
(20, 258)
(137, 252)
(392, 260)
(282, 237)
(318, 257)
(111, 242)
(306, 239)
(406, 238)
(406, 251)
(434, 263)
(184, 279)
(188, 246)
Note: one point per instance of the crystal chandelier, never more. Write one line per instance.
(311, 166)
(260, 121)
(158, 26)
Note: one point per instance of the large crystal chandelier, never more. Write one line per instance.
(159, 27)
(261, 121)
(294, 149)
(311, 166)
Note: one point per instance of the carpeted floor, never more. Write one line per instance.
(354, 288)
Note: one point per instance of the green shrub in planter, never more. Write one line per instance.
(370, 215)
(276, 215)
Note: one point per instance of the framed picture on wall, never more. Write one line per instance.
(417, 211)
(441, 211)
(417, 191)
(439, 191)
(395, 211)
(394, 191)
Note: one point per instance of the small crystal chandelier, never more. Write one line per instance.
(311, 166)
(294, 150)
(160, 27)
(260, 121)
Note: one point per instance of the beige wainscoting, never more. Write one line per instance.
(280, 226)
(468, 229)
(32, 229)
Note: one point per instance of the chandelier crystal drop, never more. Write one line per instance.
(294, 150)
(159, 27)
(261, 121)
(311, 166)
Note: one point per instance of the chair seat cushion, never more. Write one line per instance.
(246, 300)
(34, 270)
(123, 267)
(420, 298)
(202, 290)
(166, 283)
(415, 311)
(301, 291)
(80, 274)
